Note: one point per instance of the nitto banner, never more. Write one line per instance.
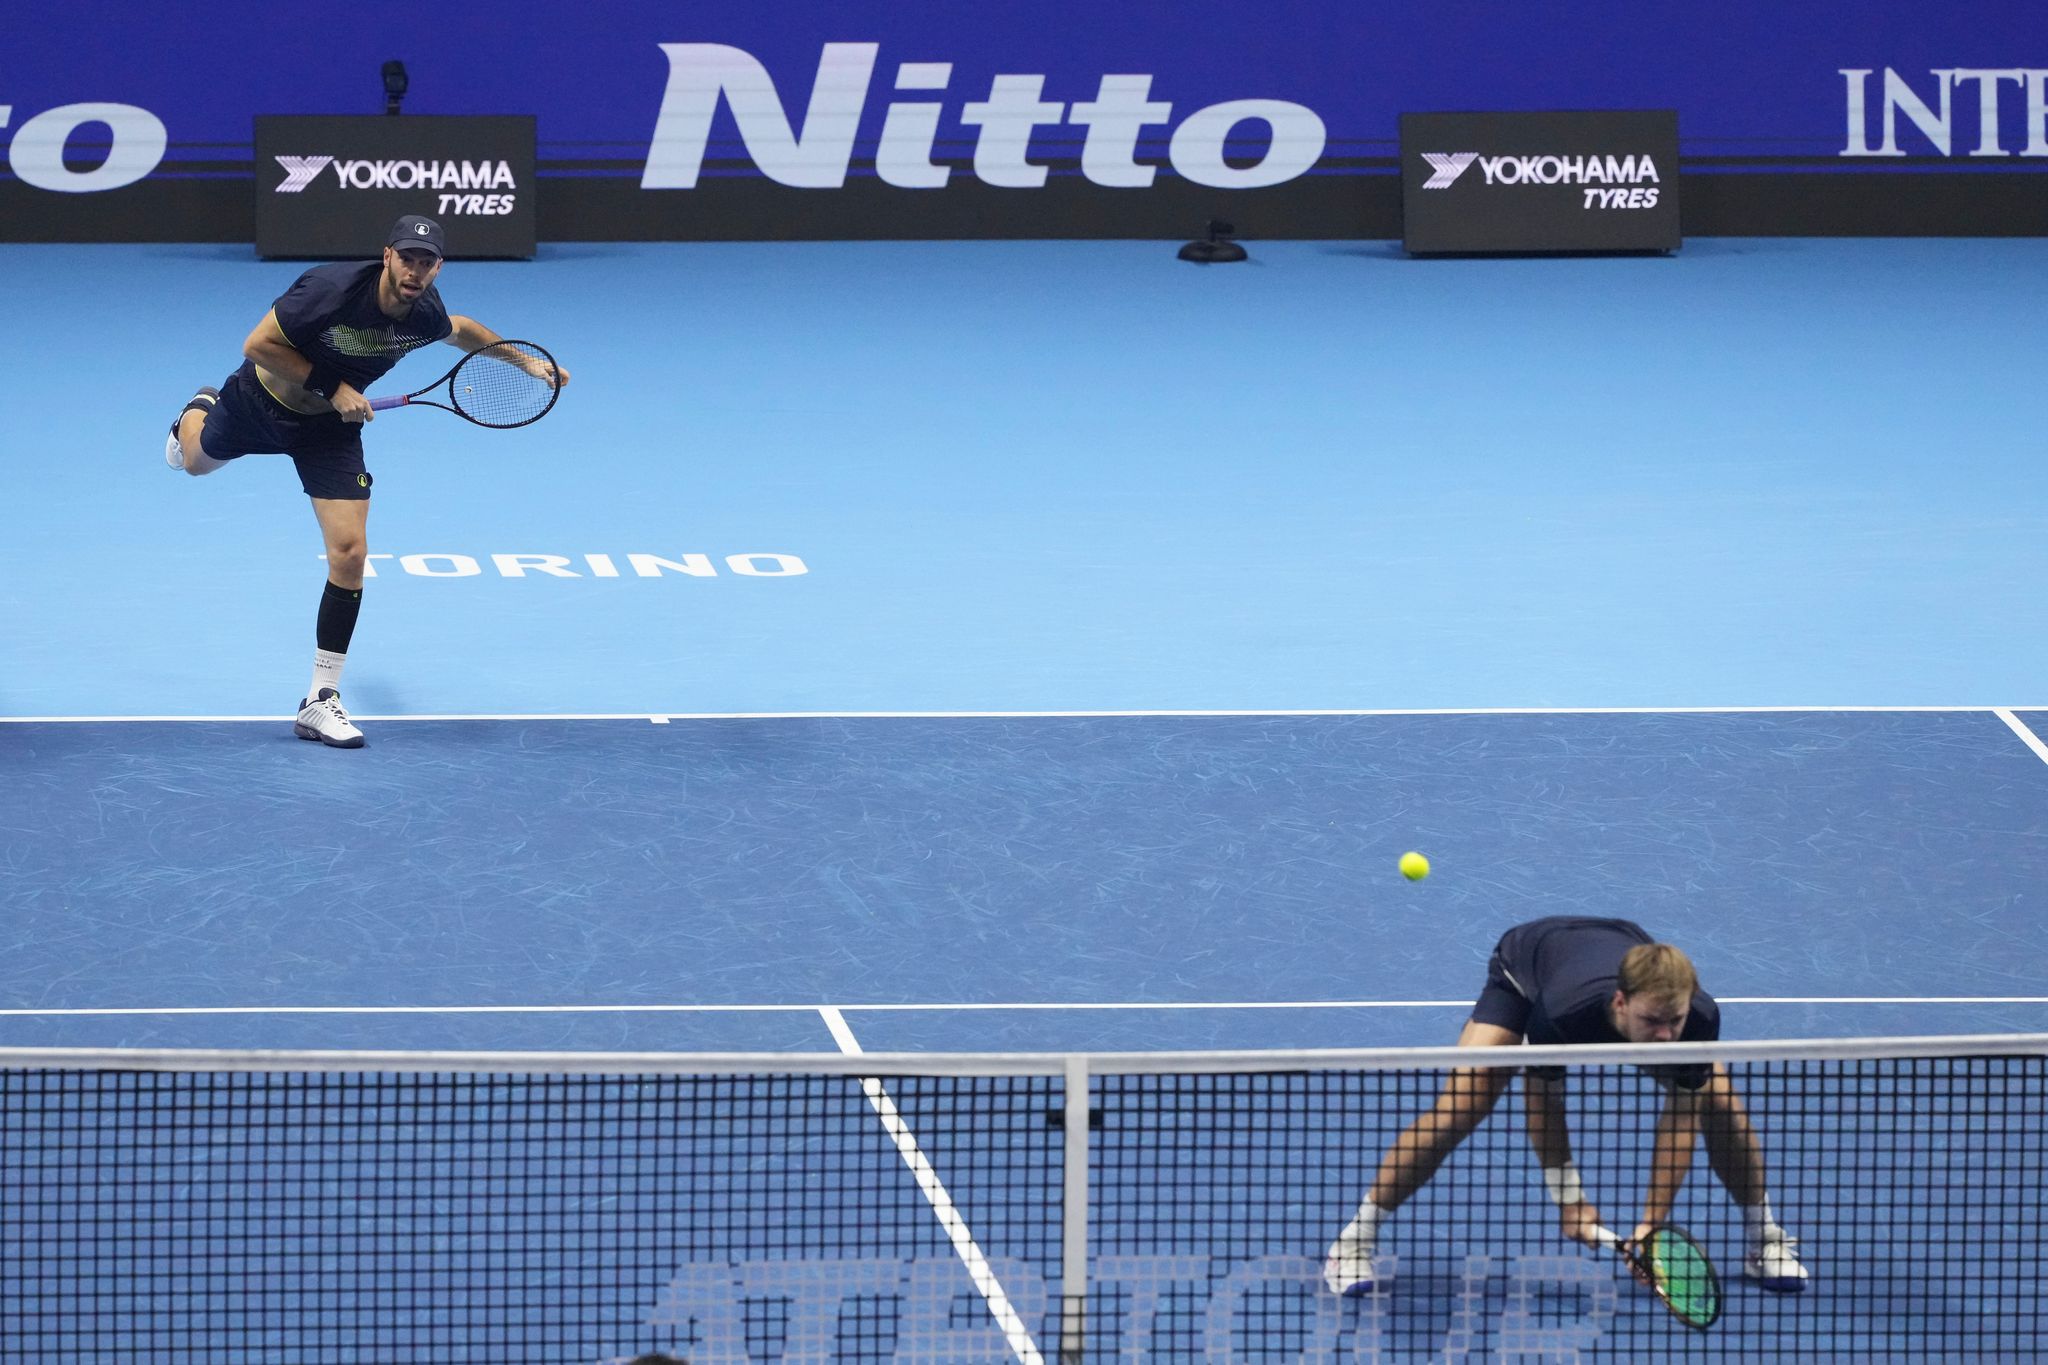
(331, 186)
(920, 118)
(1481, 183)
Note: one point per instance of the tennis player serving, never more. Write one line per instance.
(299, 392)
(1576, 980)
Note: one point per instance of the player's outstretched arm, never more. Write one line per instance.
(1550, 1136)
(471, 335)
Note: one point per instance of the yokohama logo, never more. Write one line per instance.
(1542, 170)
(1446, 168)
(299, 171)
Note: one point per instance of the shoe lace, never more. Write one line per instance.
(332, 706)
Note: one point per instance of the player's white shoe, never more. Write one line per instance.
(1348, 1269)
(174, 455)
(1774, 1263)
(323, 719)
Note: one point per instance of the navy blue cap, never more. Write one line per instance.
(414, 233)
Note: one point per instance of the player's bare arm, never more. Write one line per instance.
(284, 372)
(1550, 1136)
(471, 335)
(280, 366)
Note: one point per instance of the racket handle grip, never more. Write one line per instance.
(386, 404)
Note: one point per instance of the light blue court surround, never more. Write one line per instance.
(1050, 476)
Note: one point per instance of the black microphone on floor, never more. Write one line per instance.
(1217, 248)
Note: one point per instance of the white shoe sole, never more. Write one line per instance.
(1354, 1289)
(308, 732)
(1777, 1284)
(174, 455)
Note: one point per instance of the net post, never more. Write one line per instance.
(1074, 1219)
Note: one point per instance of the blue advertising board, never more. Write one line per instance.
(921, 118)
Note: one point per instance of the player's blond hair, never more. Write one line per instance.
(1659, 971)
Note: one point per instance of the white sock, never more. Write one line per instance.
(326, 672)
(1758, 1223)
(1367, 1224)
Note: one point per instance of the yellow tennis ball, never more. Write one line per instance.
(1414, 866)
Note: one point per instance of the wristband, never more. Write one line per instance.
(324, 380)
(1563, 1184)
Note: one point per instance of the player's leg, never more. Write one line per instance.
(1738, 1161)
(1467, 1097)
(1499, 1017)
(344, 529)
(186, 450)
(345, 537)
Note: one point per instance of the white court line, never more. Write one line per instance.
(2028, 737)
(964, 1245)
(832, 1012)
(1055, 715)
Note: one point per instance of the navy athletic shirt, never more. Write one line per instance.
(330, 316)
(1564, 970)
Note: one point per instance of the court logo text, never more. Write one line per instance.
(755, 564)
(1504, 1308)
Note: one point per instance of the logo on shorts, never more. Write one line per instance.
(362, 480)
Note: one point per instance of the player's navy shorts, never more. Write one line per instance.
(1501, 1002)
(246, 420)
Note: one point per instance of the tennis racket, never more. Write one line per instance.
(504, 384)
(1672, 1264)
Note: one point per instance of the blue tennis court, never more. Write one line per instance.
(630, 781)
(1043, 647)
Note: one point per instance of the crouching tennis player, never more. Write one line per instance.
(1575, 980)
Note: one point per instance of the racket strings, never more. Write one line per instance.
(1685, 1276)
(505, 384)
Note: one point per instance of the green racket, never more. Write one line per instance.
(1673, 1265)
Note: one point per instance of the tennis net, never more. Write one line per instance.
(587, 1210)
